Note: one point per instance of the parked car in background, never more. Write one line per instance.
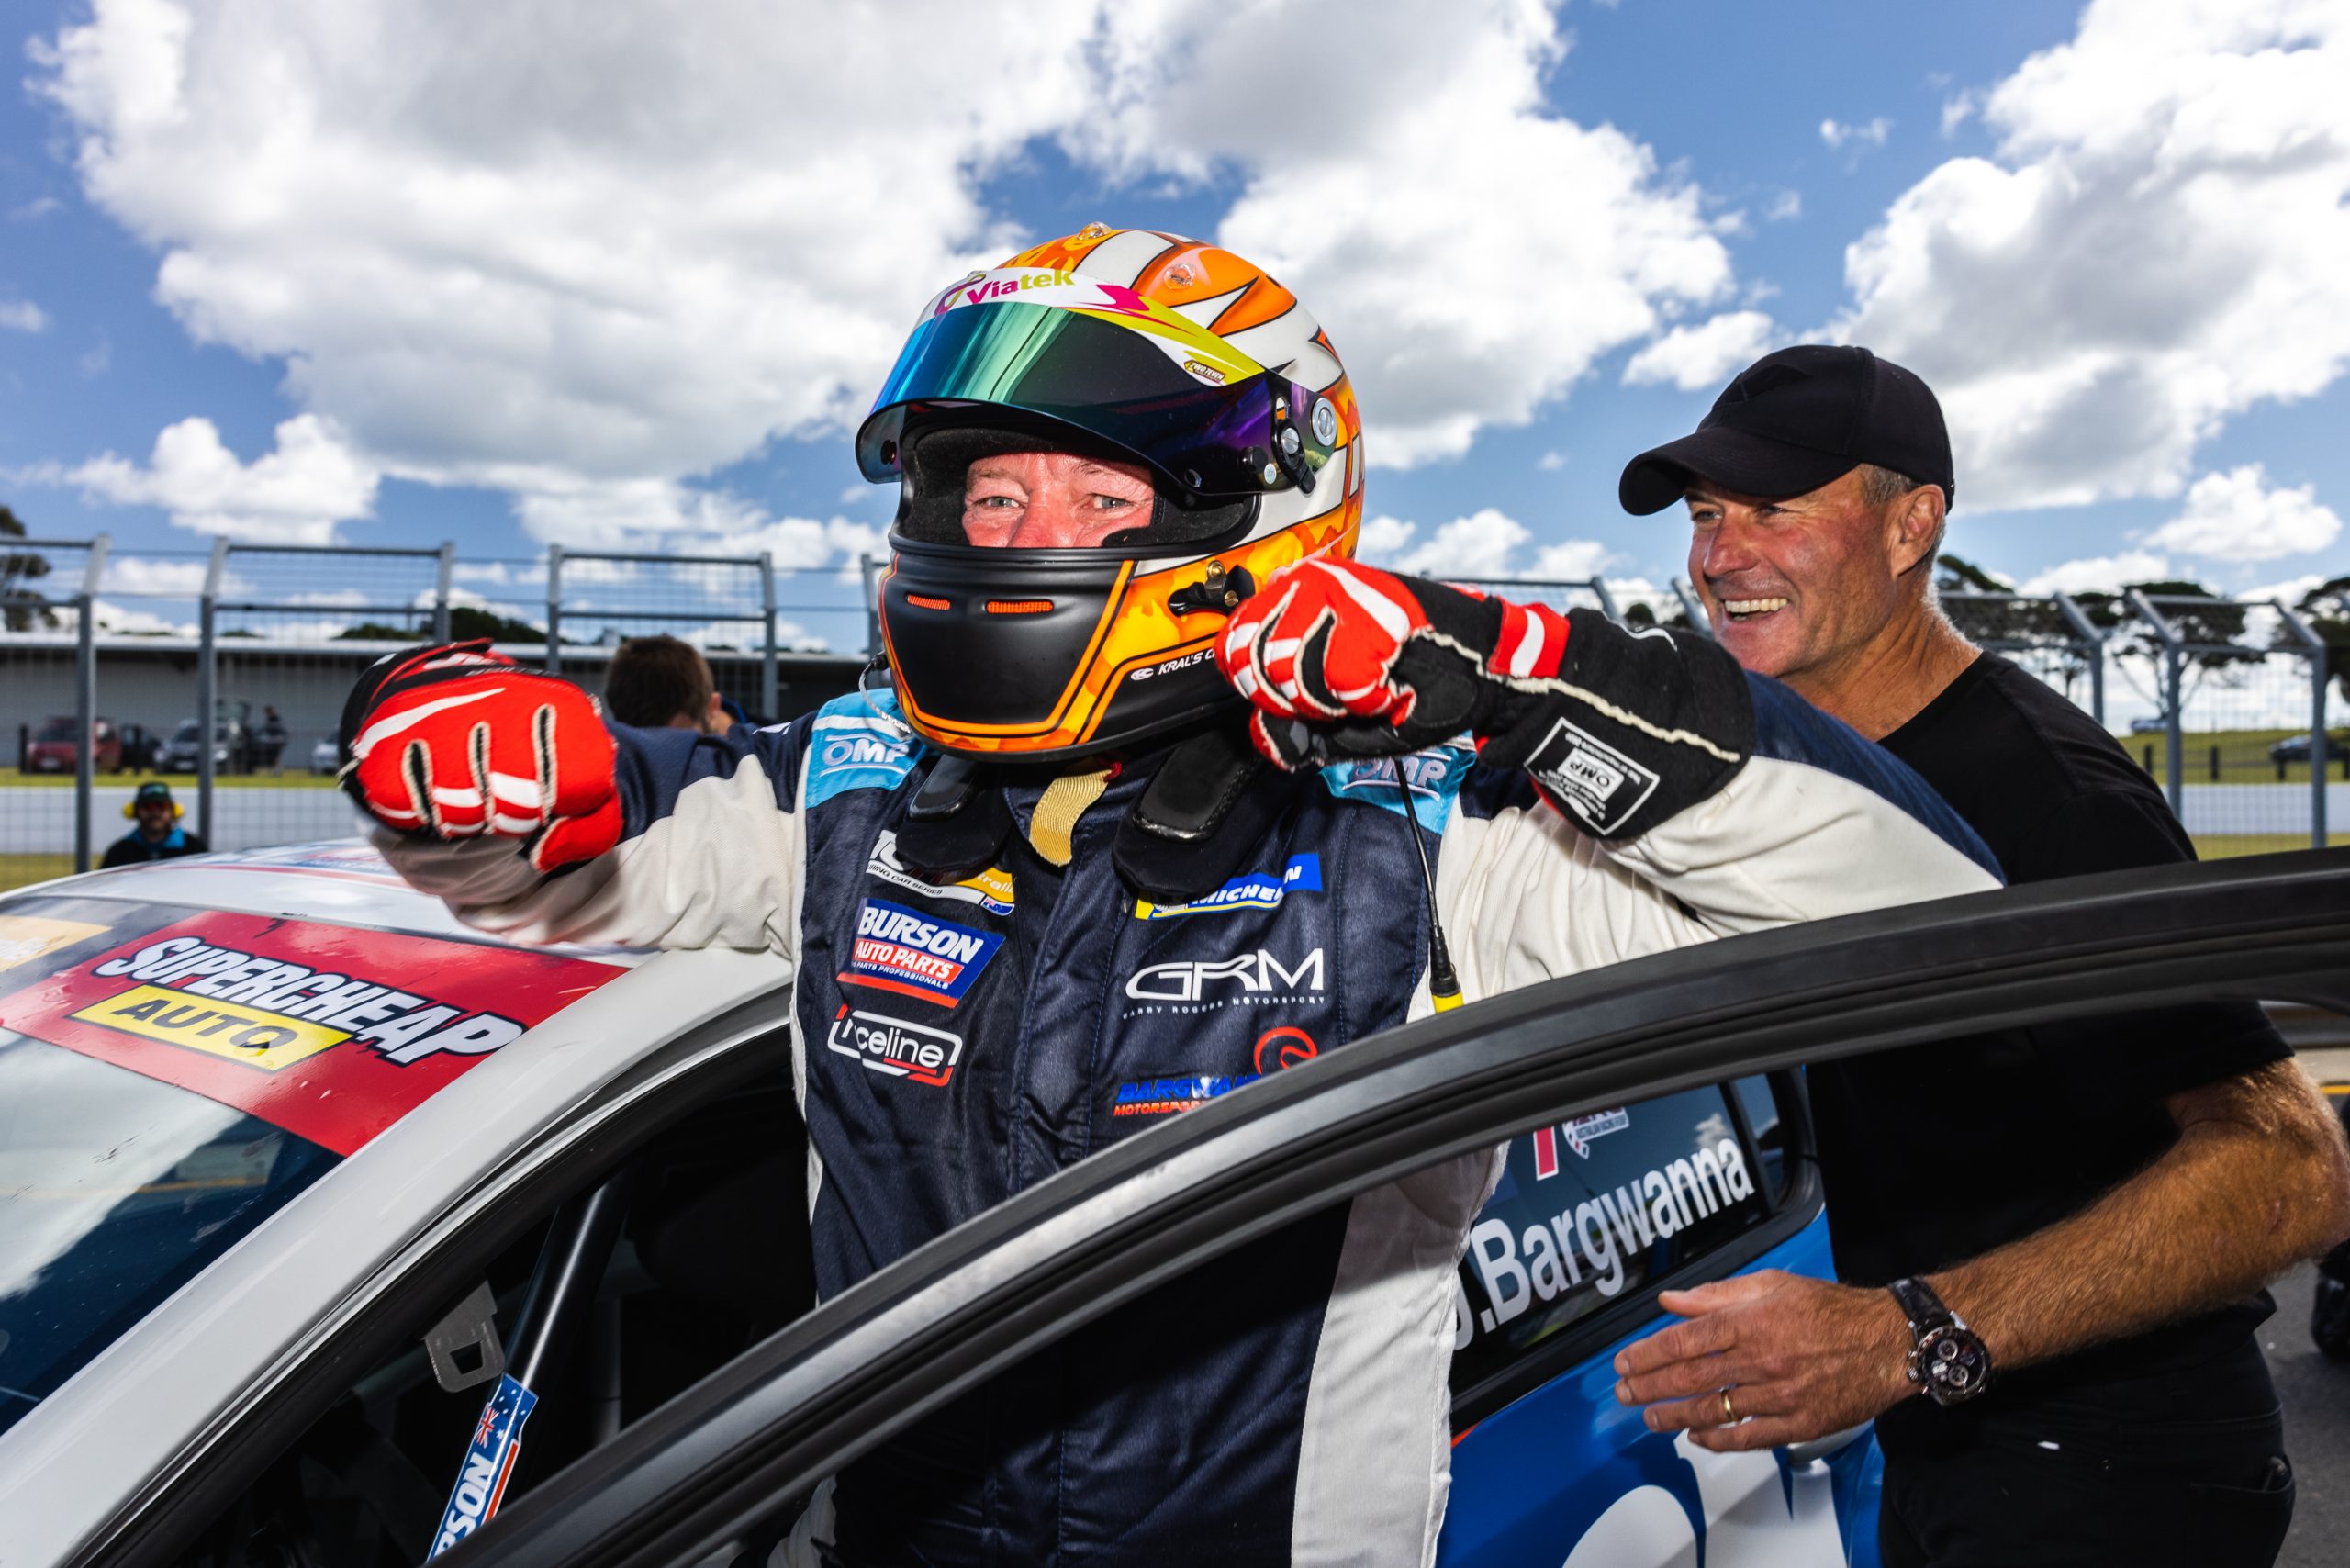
(143, 748)
(2296, 748)
(232, 750)
(325, 755)
(2152, 724)
(54, 747)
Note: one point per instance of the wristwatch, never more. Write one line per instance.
(1948, 1360)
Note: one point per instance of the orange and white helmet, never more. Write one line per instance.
(1139, 346)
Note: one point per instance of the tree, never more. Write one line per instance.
(2213, 630)
(2326, 610)
(22, 608)
(466, 622)
(1955, 574)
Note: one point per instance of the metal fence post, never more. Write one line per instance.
(441, 590)
(554, 609)
(768, 709)
(2092, 640)
(1606, 600)
(207, 681)
(86, 695)
(2314, 646)
(1691, 608)
(2173, 701)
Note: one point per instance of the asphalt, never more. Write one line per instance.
(2316, 1393)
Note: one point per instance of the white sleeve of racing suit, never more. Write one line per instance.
(712, 853)
(1817, 822)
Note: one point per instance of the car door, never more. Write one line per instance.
(697, 1481)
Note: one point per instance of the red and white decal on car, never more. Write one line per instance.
(330, 1032)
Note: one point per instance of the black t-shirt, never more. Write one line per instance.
(1935, 1154)
(133, 848)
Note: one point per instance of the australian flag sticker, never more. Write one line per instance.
(489, 1463)
(903, 950)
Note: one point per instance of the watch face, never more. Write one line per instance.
(1956, 1365)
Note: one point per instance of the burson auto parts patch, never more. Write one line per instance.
(330, 1032)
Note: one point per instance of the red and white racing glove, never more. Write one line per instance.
(456, 742)
(1366, 663)
(1618, 728)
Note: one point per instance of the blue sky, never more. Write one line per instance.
(498, 279)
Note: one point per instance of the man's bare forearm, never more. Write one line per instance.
(2258, 1180)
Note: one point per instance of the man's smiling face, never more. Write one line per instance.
(1793, 584)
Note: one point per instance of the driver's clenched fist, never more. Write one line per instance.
(456, 742)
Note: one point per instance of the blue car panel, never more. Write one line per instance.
(1565, 1475)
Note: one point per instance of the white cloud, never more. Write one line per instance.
(2235, 516)
(1838, 135)
(1478, 546)
(2099, 574)
(1572, 558)
(1701, 358)
(293, 495)
(38, 207)
(1786, 207)
(22, 315)
(2290, 590)
(2153, 249)
(551, 258)
(1551, 462)
(155, 577)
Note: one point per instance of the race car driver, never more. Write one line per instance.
(1057, 881)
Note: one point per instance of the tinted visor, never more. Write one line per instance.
(1111, 382)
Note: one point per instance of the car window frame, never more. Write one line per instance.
(716, 1058)
(936, 1323)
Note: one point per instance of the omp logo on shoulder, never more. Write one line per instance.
(894, 1046)
(270, 1014)
(1251, 976)
(898, 949)
(852, 752)
(1262, 890)
(991, 889)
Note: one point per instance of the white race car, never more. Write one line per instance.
(310, 1196)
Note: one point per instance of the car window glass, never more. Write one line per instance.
(1591, 1209)
(114, 1191)
(1756, 1098)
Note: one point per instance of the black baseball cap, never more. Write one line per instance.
(154, 789)
(1793, 421)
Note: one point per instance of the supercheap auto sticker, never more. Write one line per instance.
(330, 1032)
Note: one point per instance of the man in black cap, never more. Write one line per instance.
(158, 836)
(2055, 1240)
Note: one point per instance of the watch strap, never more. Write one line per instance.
(1921, 1305)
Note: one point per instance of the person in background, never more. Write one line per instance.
(158, 836)
(269, 740)
(658, 683)
(2055, 1238)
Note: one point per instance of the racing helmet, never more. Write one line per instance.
(1125, 344)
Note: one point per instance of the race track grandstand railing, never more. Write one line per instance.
(2224, 703)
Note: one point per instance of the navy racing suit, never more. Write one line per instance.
(959, 1042)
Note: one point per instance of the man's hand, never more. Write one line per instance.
(457, 742)
(1343, 660)
(1800, 1358)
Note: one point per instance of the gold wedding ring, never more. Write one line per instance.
(1730, 1412)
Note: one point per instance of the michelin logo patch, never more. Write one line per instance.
(1262, 890)
(897, 949)
(1590, 778)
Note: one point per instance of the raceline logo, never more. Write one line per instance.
(1262, 890)
(1252, 976)
(894, 1046)
(897, 949)
(269, 1013)
(991, 889)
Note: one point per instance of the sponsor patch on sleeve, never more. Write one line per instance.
(330, 1033)
(1589, 778)
(916, 955)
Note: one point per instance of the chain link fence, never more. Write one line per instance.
(223, 673)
